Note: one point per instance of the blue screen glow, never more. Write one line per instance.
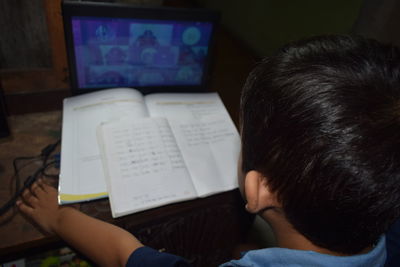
(115, 52)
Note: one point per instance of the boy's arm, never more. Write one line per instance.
(104, 243)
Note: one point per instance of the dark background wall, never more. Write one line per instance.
(265, 25)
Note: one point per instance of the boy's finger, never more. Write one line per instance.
(26, 194)
(28, 197)
(44, 185)
(24, 208)
(48, 188)
(37, 189)
(34, 188)
(41, 183)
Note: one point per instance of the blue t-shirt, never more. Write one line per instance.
(290, 257)
(393, 245)
(146, 256)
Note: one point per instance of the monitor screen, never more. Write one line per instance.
(146, 48)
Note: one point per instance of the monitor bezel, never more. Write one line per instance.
(116, 10)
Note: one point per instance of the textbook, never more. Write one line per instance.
(146, 151)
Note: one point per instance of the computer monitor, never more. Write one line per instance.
(147, 48)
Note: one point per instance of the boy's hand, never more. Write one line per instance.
(40, 204)
(104, 243)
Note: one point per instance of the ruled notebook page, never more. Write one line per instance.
(206, 136)
(143, 164)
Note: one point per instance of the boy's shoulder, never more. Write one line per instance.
(291, 257)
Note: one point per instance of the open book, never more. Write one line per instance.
(146, 151)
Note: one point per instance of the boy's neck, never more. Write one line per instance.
(287, 237)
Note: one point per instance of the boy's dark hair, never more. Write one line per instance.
(321, 120)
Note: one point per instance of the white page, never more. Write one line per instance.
(81, 174)
(144, 167)
(178, 106)
(206, 136)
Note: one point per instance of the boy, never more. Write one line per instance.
(320, 125)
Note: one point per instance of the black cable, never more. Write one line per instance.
(44, 155)
(48, 150)
(16, 170)
(27, 183)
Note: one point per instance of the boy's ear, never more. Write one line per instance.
(258, 193)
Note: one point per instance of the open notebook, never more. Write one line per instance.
(146, 151)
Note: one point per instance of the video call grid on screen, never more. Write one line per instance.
(153, 49)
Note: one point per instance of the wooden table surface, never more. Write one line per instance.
(207, 226)
(29, 134)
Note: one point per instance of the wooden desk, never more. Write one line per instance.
(204, 231)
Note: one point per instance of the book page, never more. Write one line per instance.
(206, 136)
(143, 164)
(81, 174)
(178, 106)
